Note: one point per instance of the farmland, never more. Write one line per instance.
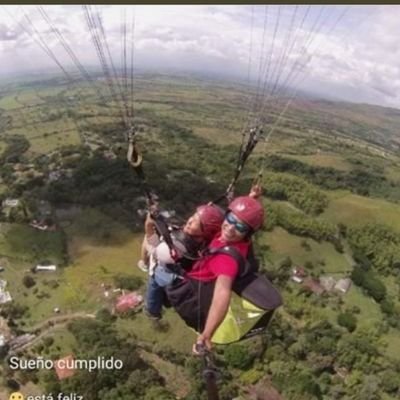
(64, 149)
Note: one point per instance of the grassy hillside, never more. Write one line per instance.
(356, 210)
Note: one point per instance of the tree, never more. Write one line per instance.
(370, 389)
(342, 229)
(48, 341)
(348, 321)
(356, 352)
(28, 281)
(308, 265)
(357, 276)
(370, 282)
(13, 384)
(390, 381)
(305, 245)
(387, 306)
(96, 339)
(320, 363)
(157, 393)
(298, 350)
(128, 282)
(304, 383)
(237, 356)
(374, 287)
(4, 351)
(377, 245)
(105, 316)
(286, 263)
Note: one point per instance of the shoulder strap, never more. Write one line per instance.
(234, 253)
(163, 230)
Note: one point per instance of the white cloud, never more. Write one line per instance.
(361, 52)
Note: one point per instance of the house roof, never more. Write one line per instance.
(314, 285)
(343, 284)
(128, 302)
(62, 365)
(299, 271)
(328, 282)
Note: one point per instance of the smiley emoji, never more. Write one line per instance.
(16, 396)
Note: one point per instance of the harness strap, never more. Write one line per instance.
(163, 230)
(245, 150)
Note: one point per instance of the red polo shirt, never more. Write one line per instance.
(210, 267)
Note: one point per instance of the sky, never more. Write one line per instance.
(340, 52)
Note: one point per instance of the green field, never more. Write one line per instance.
(3, 146)
(99, 249)
(321, 159)
(354, 210)
(63, 339)
(40, 299)
(393, 174)
(52, 141)
(24, 243)
(24, 247)
(370, 313)
(391, 341)
(218, 136)
(176, 336)
(29, 98)
(9, 102)
(283, 244)
(94, 260)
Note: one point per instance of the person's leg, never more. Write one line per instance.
(150, 240)
(154, 298)
(144, 257)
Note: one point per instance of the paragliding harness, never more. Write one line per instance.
(183, 295)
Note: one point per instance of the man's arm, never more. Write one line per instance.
(218, 309)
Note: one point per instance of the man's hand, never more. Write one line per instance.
(255, 191)
(202, 343)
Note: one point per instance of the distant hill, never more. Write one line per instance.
(374, 124)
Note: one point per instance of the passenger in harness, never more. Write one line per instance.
(202, 298)
(195, 235)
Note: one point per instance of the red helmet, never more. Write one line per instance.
(211, 218)
(249, 210)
